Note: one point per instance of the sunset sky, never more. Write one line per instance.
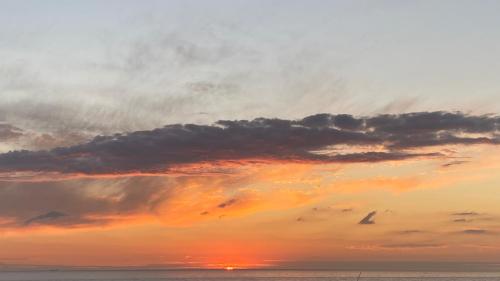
(250, 134)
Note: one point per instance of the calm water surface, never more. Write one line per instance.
(239, 275)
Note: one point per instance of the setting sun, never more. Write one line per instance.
(229, 268)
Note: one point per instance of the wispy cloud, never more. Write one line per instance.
(475, 231)
(80, 202)
(469, 213)
(413, 245)
(227, 203)
(461, 220)
(9, 132)
(409, 232)
(453, 163)
(52, 215)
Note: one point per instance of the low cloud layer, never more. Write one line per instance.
(313, 138)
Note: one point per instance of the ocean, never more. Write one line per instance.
(239, 275)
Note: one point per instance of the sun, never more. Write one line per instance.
(229, 268)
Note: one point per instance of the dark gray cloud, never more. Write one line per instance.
(52, 215)
(260, 139)
(368, 219)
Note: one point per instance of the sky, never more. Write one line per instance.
(250, 134)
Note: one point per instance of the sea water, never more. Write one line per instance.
(239, 275)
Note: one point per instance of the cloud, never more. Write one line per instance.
(169, 200)
(453, 163)
(9, 132)
(82, 202)
(311, 219)
(430, 122)
(475, 231)
(413, 245)
(321, 214)
(409, 232)
(368, 219)
(52, 215)
(227, 203)
(158, 150)
(469, 216)
(461, 220)
(466, 214)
